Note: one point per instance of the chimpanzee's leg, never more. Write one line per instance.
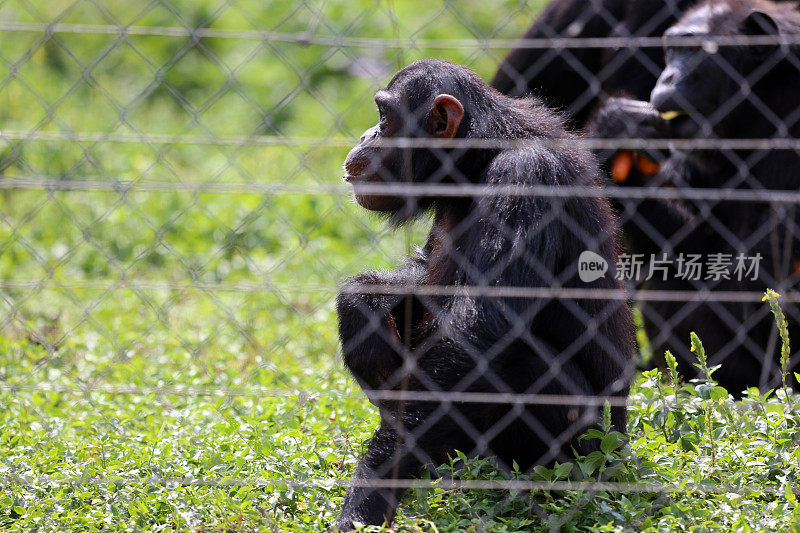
(387, 458)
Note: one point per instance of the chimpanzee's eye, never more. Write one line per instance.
(382, 114)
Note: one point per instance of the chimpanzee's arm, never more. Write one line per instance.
(387, 459)
(373, 325)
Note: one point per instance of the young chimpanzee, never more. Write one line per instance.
(463, 315)
(726, 93)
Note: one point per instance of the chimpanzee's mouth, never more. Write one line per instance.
(356, 178)
(680, 124)
(684, 127)
(360, 178)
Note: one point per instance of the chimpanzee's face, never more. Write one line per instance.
(405, 114)
(701, 86)
(375, 161)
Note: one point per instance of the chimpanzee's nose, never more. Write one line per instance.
(663, 95)
(372, 132)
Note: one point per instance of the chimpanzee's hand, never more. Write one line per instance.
(372, 346)
(623, 118)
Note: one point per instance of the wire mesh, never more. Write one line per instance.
(173, 231)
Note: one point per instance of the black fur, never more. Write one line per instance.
(565, 78)
(480, 343)
(741, 336)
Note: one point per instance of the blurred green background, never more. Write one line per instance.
(125, 311)
(195, 250)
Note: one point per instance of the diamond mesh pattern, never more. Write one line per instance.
(170, 204)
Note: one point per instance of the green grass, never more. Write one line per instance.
(126, 316)
(195, 461)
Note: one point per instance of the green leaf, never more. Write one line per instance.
(686, 445)
(718, 393)
(592, 462)
(563, 470)
(789, 494)
(542, 473)
(593, 433)
(614, 470)
(612, 441)
(704, 390)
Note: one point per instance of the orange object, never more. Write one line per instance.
(621, 166)
(646, 166)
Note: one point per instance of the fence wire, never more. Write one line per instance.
(173, 224)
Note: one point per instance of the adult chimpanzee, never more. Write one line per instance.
(575, 79)
(455, 317)
(719, 92)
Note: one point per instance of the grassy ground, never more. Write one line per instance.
(127, 314)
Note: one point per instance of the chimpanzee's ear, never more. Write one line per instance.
(445, 117)
(760, 23)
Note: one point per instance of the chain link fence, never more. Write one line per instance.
(174, 234)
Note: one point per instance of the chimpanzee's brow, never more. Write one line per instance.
(382, 97)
